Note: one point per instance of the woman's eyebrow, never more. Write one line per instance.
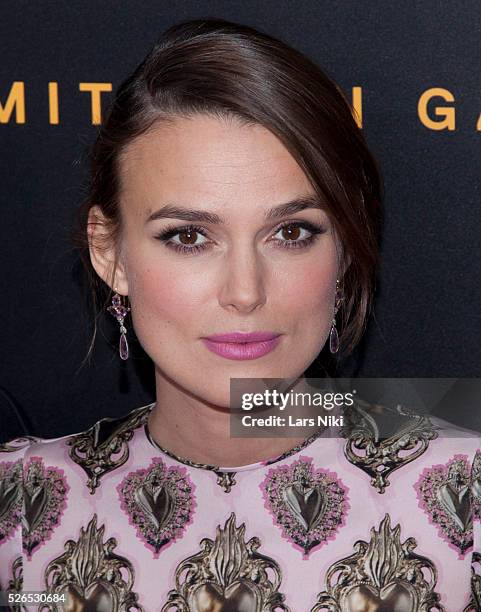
(173, 211)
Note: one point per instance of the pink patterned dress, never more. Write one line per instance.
(107, 520)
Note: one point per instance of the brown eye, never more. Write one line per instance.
(188, 239)
(190, 236)
(291, 232)
(298, 234)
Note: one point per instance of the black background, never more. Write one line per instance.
(427, 319)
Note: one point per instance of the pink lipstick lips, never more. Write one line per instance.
(240, 345)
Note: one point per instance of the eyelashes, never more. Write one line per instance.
(193, 232)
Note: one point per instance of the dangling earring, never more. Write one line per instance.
(119, 311)
(333, 335)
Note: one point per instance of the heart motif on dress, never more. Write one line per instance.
(98, 597)
(308, 504)
(45, 493)
(35, 503)
(10, 497)
(91, 575)
(457, 504)
(228, 574)
(444, 494)
(159, 501)
(9, 494)
(384, 574)
(237, 597)
(394, 597)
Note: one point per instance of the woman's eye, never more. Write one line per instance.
(189, 237)
(293, 232)
(296, 235)
(184, 239)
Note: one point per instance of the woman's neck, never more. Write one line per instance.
(194, 430)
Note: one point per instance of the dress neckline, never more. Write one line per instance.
(250, 466)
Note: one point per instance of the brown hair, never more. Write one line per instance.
(226, 69)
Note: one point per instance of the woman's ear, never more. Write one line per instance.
(103, 251)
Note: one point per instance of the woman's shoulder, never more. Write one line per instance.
(401, 435)
(12, 453)
(102, 433)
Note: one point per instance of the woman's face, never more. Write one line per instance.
(220, 263)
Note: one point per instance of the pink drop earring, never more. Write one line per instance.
(333, 335)
(119, 311)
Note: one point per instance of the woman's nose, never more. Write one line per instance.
(242, 283)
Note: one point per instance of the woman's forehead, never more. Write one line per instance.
(206, 148)
(202, 159)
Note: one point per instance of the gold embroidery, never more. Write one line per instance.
(91, 575)
(228, 573)
(104, 447)
(380, 457)
(381, 573)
